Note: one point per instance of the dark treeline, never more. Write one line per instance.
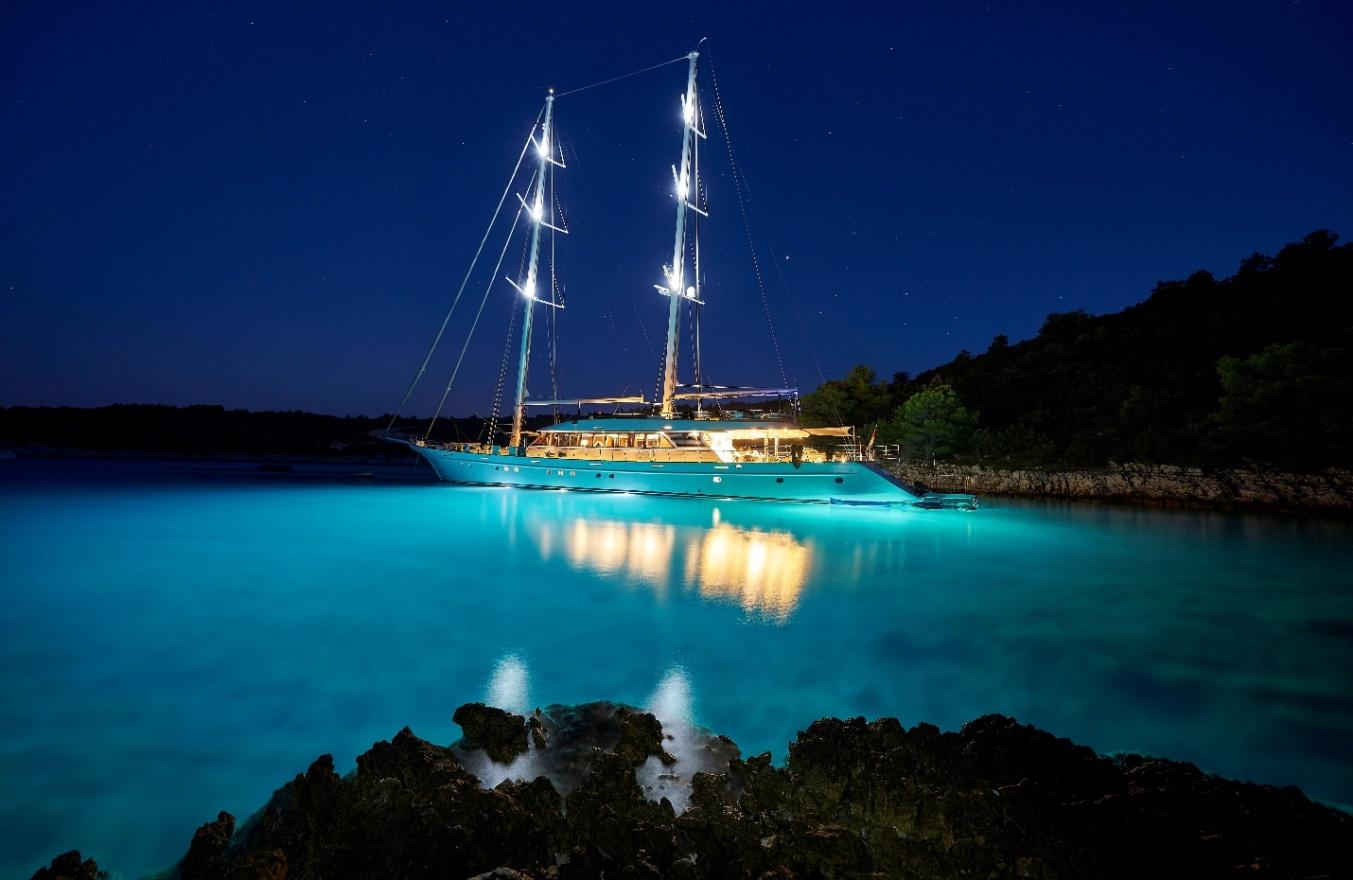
(214, 430)
(1251, 370)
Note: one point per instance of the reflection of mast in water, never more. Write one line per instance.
(763, 571)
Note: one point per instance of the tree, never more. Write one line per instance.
(1287, 405)
(999, 343)
(931, 423)
(855, 400)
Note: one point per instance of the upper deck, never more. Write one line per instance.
(667, 440)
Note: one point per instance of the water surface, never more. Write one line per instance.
(179, 639)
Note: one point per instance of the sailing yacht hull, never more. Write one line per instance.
(846, 482)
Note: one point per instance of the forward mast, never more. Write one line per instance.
(536, 210)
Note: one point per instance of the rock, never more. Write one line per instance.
(206, 853)
(1331, 491)
(68, 866)
(854, 799)
(502, 735)
(640, 737)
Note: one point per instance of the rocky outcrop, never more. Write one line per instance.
(68, 866)
(1330, 492)
(854, 799)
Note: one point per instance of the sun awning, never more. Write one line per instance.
(707, 392)
(583, 401)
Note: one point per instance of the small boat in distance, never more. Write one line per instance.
(677, 445)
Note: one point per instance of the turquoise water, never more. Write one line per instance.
(176, 639)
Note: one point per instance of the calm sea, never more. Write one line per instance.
(177, 639)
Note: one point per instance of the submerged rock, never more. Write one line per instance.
(854, 799)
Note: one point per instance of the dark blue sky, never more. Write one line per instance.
(271, 205)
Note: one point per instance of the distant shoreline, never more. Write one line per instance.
(233, 457)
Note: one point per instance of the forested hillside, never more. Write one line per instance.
(1253, 369)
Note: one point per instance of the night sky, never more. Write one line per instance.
(271, 205)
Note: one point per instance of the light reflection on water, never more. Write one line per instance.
(762, 571)
(176, 641)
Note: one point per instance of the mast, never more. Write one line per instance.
(676, 288)
(527, 288)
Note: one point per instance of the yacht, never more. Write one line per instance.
(689, 442)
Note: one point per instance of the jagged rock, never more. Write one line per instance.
(206, 854)
(502, 735)
(640, 737)
(68, 866)
(855, 799)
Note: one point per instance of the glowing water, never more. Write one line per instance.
(509, 688)
(671, 704)
(177, 641)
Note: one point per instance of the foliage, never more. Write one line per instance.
(1144, 384)
(1288, 403)
(855, 400)
(931, 423)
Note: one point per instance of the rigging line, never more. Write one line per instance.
(494, 410)
(466, 280)
(615, 334)
(487, 287)
(554, 298)
(798, 317)
(606, 82)
(738, 187)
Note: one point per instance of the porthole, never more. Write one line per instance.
(718, 479)
(571, 473)
(840, 479)
(779, 479)
(612, 476)
(599, 475)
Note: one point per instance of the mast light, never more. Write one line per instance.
(687, 110)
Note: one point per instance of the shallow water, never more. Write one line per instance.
(179, 639)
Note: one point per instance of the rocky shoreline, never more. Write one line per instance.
(604, 790)
(1164, 485)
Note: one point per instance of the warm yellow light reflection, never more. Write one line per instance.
(764, 572)
(640, 550)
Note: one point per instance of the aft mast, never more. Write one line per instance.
(527, 288)
(676, 288)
